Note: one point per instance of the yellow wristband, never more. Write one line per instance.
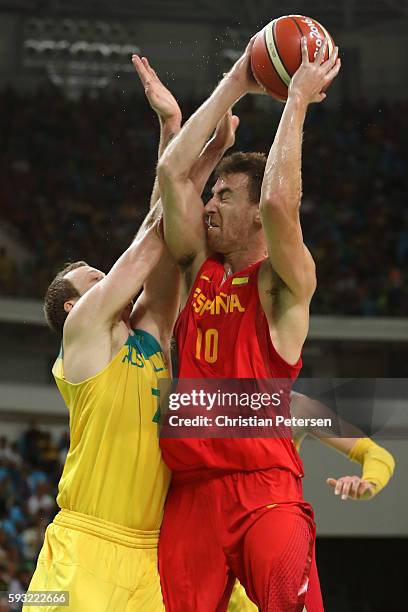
(378, 464)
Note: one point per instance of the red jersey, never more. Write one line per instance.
(223, 332)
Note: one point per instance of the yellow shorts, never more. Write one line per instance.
(103, 566)
(240, 601)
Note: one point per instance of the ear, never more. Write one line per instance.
(68, 306)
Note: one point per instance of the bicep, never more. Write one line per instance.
(288, 255)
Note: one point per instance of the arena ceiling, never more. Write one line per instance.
(247, 15)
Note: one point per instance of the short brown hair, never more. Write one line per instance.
(251, 164)
(60, 291)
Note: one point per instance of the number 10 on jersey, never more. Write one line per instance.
(207, 343)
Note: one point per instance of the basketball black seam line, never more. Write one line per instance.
(298, 27)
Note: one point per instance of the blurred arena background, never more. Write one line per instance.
(78, 150)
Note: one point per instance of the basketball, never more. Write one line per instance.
(276, 52)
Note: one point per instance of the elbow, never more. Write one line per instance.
(164, 169)
(280, 200)
(168, 170)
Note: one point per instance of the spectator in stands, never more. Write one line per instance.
(22, 525)
(33, 536)
(69, 175)
(41, 502)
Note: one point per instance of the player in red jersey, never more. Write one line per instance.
(236, 507)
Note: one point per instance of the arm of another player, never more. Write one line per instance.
(158, 306)
(377, 462)
(164, 105)
(183, 206)
(223, 139)
(101, 307)
(378, 467)
(282, 185)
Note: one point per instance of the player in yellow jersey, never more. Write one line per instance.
(101, 547)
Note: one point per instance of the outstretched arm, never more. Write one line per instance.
(377, 463)
(183, 207)
(158, 305)
(282, 184)
(289, 259)
(101, 306)
(164, 105)
(223, 139)
(168, 111)
(156, 308)
(146, 263)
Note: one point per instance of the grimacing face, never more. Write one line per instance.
(231, 217)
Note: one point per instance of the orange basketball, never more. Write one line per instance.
(276, 52)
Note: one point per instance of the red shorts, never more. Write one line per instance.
(251, 525)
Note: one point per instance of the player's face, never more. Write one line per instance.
(230, 215)
(84, 278)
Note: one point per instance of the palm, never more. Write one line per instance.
(225, 132)
(242, 71)
(160, 98)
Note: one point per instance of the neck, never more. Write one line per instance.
(244, 257)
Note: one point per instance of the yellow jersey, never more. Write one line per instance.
(114, 470)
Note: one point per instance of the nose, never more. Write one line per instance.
(211, 206)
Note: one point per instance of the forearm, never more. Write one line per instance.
(282, 179)
(205, 164)
(169, 128)
(181, 155)
(107, 299)
(377, 463)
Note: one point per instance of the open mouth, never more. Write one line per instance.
(211, 224)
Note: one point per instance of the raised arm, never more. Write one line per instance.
(282, 185)
(183, 206)
(289, 273)
(158, 305)
(168, 111)
(377, 463)
(223, 139)
(164, 105)
(102, 305)
(146, 263)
